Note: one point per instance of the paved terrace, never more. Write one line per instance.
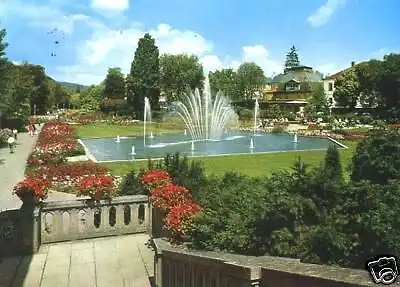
(120, 261)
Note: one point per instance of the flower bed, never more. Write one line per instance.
(97, 187)
(48, 162)
(173, 200)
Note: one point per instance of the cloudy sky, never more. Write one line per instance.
(93, 35)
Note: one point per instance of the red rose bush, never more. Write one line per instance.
(174, 200)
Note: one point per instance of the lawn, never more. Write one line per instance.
(253, 165)
(111, 130)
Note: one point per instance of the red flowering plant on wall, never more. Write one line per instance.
(97, 187)
(155, 178)
(174, 201)
(180, 218)
(32, 189)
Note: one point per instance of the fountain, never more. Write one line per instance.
(151, 135)
(256, 111)
(192, 146)
(205, 117)
(295, 140)
(185, 132)
(133, 150)
(251, 143)
(118, 139)
(146, 117)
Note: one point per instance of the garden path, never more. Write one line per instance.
(12, 169)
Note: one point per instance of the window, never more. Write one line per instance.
(330, 87)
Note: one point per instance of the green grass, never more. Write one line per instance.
(111, 130)
(252, 165)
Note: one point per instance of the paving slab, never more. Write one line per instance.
(118, 261)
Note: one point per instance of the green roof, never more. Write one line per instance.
(300, 74)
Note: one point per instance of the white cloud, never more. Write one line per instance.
(114, 5)
(322, 15)
(259, 55)
(40, 15)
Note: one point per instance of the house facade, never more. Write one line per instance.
(329, 87)
(292, 89)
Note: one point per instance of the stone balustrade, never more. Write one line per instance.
(178, 266)
(78, 219)
(23, 230)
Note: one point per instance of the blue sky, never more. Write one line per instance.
(94, 35)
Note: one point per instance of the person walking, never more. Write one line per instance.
(15, 132)
(11, 143)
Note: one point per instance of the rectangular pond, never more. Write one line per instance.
(109, 149)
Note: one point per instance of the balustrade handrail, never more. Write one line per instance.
(263, 269)
(81, 202)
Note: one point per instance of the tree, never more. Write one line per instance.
(377, 157)
(179, 72)
(292, 58)
(318, 102)
(144, 78)
(90, 99)
(347, 90)
(226, 81)
(251, 80)
(4, 65)
(114, 84)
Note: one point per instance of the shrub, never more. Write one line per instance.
(131, 184)
(278, 130)
(4, 135)
(246, 114)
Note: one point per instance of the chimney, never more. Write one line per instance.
(353, 63)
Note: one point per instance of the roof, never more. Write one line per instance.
(338, 74)
(300, 74)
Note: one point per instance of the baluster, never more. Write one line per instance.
(135, 216)
(119, 217)
(74, 219)
(104, 225)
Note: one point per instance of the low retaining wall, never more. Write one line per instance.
(176, 266)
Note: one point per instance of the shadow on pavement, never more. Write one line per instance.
(2, 160)
(18, 241)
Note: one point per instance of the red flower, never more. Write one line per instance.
(37, 187)
(169, 196)
(97, 187)
(180, 218)
(156, 178)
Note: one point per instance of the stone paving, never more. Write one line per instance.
(120, 261)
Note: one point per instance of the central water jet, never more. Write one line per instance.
(205, 116)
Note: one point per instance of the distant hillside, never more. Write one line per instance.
(72, 86)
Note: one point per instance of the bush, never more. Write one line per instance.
(246, 114)
(192, 175)
(131, 184)
(4, 135)
(278, 130)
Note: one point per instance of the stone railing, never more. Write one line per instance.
(176, 266)
(71, 220)
(23, 230)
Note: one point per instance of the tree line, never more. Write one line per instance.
(26, 90)
(373, 84)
